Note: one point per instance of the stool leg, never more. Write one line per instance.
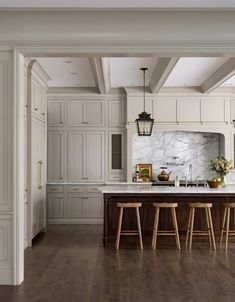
(188, 228)
(139, 227)
(177, 239)
(223, 225)
(227, 229)
(191, 229)
(211, 228)
(155, 228)
(208, 225)
(119, 228)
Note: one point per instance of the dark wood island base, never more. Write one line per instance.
(147, 210)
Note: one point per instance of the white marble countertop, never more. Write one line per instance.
(164, 189)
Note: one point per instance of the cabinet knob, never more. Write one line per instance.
(42, 113)
(61, 177)
(61, 123)
(36, 109)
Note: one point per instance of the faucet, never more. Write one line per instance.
(186, 180)
(190, 169)
(197, 179)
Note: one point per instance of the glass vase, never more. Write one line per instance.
(223, 181)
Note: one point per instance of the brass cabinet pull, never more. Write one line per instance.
(40, 174)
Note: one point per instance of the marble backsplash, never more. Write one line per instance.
(177, 150)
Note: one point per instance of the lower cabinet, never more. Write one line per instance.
(67, 204)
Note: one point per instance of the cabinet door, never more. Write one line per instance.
(42, 104)
(94, 113)
(116, 151)
(75, 206)
(55, 156)
(76, 156)
(55, 113)
(215, 110)
(189, 110)
(165, 110)
(55, 206)
(136, 105)
(94, 208)
(116, 113)
(95, 156)
(35, 90)
(75, 113)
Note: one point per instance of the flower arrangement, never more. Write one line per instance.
(221, 165)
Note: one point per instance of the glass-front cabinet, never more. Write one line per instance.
(116, 155)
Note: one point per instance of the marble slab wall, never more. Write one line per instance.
(177, 150)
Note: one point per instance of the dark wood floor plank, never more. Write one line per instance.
(69, 264)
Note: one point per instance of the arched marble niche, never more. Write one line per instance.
(177, 150)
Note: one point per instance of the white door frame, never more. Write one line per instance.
(65, 51)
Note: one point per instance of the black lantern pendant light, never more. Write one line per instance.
(144, 122)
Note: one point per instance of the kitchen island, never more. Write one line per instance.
(149, 194)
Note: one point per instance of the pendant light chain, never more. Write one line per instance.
(144, 89)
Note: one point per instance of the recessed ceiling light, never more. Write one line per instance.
(73, 73)
(68, 61)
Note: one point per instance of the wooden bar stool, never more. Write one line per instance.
(225, 225)
(122, 206)
(191, 232)
(156, 232)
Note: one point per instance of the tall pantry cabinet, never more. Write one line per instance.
(36, 148)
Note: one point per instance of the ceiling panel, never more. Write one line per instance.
(68, 72)
(125, 72)
(193, 71)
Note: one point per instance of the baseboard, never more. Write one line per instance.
(76, 221)
(6, 276)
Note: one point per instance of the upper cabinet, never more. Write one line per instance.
(55, 113)
(85, 113)
(116, 115)
(188, 110)
(165, 110)
(136, 105)
(216, 110)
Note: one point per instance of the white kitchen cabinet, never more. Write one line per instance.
(189, 110)
(85, 157)
(76, 156)
(215, 110)
(116, 155)
(116, 113)
(55, 205)
(95, 156)
(136, 105)
(94, 206)
(75, 206)
(55, 113)
(38, 100)
(165, 110)
(55, 155)
(85, 113)
(232, 110)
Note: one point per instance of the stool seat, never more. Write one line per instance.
(156, 232)
(131, 205)
(165, 204)
(209, 232)
(200, 204)
(225, 225)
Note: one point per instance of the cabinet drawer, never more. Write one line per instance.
(55, 189)
(76, 189)
(116, 177)
(93, 189)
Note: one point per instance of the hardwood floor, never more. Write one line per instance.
(69, 264)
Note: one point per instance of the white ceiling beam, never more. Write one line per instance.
(107, 73)
(97, 70)
(161, 72)
(101, 71)
(222, 74)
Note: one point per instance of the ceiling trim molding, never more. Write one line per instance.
(161, 72)
(222, 74)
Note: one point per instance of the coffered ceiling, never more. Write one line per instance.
(123, 72)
